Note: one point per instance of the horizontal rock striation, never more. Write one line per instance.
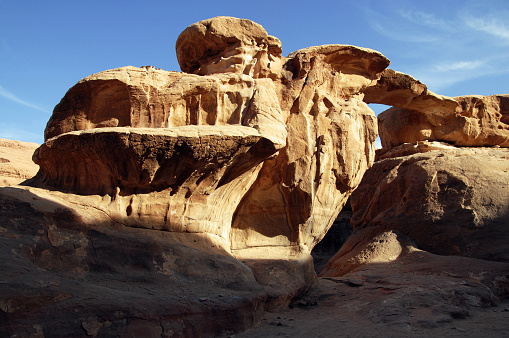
(70, 270)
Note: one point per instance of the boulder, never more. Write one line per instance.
(474, 121)
(446, 202)
(218, 44)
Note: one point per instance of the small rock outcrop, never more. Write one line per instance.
(476, 121)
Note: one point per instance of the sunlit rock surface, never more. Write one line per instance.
(187, 204)
(16, 164)
(453, 201)
(167, 201)
(475, 121)
(430, 237)
(403, 91)
(307, 138)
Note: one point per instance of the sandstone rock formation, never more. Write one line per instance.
(430, 206)
(411, 148)
(156, 183)
(432, 219)
(403, 91)
(69, 270)
(421, 115)
(16, 163)
(228, 45)
(297, 121)
(475, 121)
(447, 202)
(187, 204)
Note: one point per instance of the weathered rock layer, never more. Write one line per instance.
(70, 270)
(475, 121)
(447, 202)
(307, 139)
(236, 170)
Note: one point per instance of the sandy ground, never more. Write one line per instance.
(419, 294)
(16, 161)
(335, 309)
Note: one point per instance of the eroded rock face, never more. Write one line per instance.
(403, 91)
(249, 158)
(307, 138)
(151, 98)
(299, 193)
(68, 269)
(228, 45)
(475, 121)
(184, 179)
(446, 202)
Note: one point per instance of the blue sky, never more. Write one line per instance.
(455, 47)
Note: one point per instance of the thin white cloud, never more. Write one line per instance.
(491, 25)
(388, 22)
(458, 66)
(437, 80)
(10, 96)
(401, 34)
(468, 42)
(425, 19)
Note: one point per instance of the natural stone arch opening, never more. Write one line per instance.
(378, 108)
